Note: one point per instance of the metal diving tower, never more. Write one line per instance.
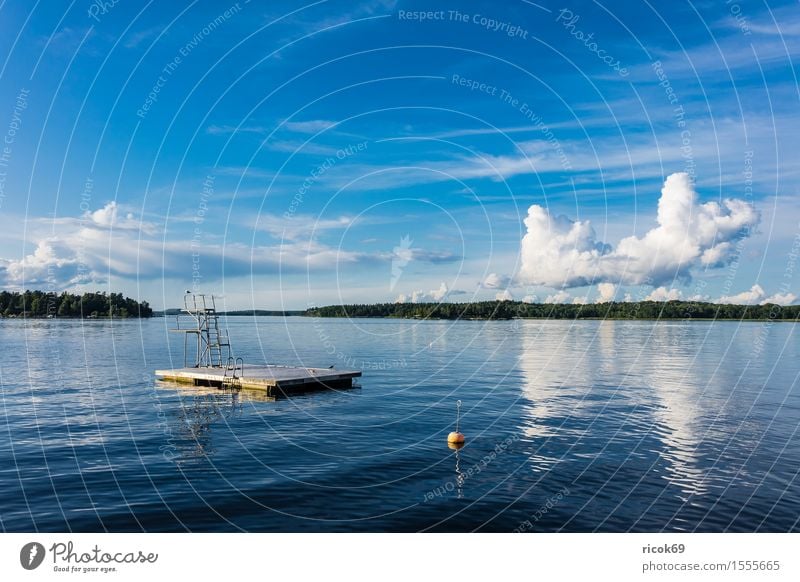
(213, 344)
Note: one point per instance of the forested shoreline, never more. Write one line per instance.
(44, 304)
(516, 309)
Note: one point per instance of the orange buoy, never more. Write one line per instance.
(456, 437)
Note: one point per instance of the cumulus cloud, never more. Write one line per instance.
(781, 299)
(664, 294)
(530, 299)
(504, 295)
(560, 297)
(750, 297)
(697, 297)
(606, 291)
(432, 296)
(110, 216)
(559, 252)
(50, 263)
(82, 250)
(756, 295)
(495, 281)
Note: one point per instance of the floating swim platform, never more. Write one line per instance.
(274, 380)
(215, 365)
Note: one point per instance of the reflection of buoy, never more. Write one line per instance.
(456, 437)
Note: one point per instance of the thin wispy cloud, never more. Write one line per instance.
(229, 129)
(135, 38)
(310, 126)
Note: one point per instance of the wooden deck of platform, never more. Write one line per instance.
(274, 380)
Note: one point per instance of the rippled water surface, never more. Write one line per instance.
(609, 426)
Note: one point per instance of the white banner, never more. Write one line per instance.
(416, 557)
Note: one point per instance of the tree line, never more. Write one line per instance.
(514, 309)
(86, 305)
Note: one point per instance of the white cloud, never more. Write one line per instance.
(495, 281)
(300, 226)
(557, 251)
(756, 295)
(103, 243)
(228, 129)
(530, 299)
(109, 216)
(299, 147)
(580, 300)
(308, 127)
(698, 297)
(750, 297)
(781, 299)
(105, 216)
(49, 264)
(312, 126)
(606, 291)
(440, 293)
(560, 297)
(432, 296)
(136, 38)
(504, 295)
(664, 294)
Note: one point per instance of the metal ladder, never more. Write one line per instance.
(217, 340)
(231, 366)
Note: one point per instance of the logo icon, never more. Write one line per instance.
(31, 555)
(401, 256)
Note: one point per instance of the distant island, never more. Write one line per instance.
(44, 304)
(517, 309)
(237, 313)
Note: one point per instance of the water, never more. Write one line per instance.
(571, 426)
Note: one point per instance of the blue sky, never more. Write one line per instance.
(284, 154)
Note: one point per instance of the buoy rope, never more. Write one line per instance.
(458, 413)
